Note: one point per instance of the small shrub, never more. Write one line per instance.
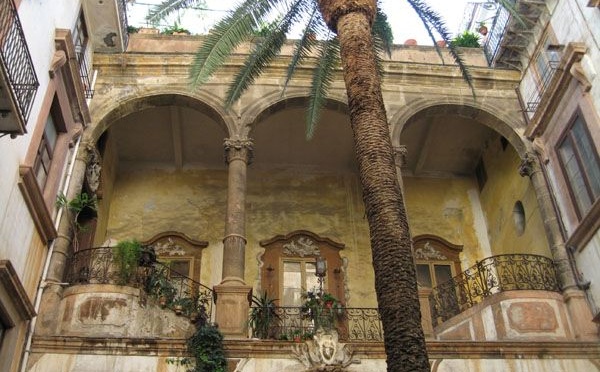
(126, 255)
(467, 40)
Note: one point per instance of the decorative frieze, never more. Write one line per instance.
(302, 247)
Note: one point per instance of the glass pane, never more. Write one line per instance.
(423, 275)
(180, 268)
(292, 284)
(574, 176)
(443, 273)
(50, 132)
(312, 281)
(587, 153)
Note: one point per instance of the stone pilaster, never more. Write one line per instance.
(579, 310)
(232, 293)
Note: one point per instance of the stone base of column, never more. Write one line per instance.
(233, 304)
(581, 315)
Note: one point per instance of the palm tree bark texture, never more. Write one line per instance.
(395, 278)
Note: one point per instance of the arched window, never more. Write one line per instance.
(437, 260)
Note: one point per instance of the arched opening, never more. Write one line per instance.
(461, 180)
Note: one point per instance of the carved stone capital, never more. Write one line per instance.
(238, 149)
(529, 165)
(93, 168)
(400, 153)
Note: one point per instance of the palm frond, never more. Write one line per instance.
(161, 11)
(226, 35)
(382, 31)
(383, 40)
(328, 59)
(304, 45)
(433, 20)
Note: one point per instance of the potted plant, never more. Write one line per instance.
(206, 348)
(126, 256)
(263, 315)
(80, 204)
(466, 40)
(483, 30)
(159, 286)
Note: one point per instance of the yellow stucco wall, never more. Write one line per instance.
(503, 188)
(148, 202)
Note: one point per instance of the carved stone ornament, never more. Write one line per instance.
(528, 165)
(168, 248)
(93, 169)
(303, 246)
(428, 252)
(324, 353)
(238, 149)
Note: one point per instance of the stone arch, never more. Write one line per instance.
(111, 111)
(488, 115)
(273, 102)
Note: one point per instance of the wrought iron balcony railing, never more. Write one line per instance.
(491, 45)
(16, 65)
(171, 289)
(538, 92)
(489, 276)
(122, 8)
(352, 324)
(84, 73)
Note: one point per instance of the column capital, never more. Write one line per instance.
(400, 153)
(529, 165)
(238, 149)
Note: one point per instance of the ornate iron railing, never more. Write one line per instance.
(544, 81)
(84, 73)
(352, 324)
(489, 276)
(16, 63)
(122, 8)
(171, 289)
(491, 46)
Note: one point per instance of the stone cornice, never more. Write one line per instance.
(165, 347)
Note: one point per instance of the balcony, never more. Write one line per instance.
(169, 289)
(491, 276)
(107, 22)
(19, 83)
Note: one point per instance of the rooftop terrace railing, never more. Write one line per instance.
(491, 275)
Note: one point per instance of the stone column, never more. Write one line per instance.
(232, 293)
(579, 310)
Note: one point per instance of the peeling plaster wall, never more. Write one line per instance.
(147, 202)
(504, 187)
(442, 207)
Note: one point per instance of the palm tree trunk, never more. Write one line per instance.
(395, 278)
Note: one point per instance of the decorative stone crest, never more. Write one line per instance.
(93, 169)
(400, 154)
(428, 252)
(238, 149)
(168, 248)
(324, 353)
(303, 246)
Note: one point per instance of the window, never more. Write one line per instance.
(298, 277)
(579, 161)
(437, 261)
(80, 40)
(80, 34)
(289, 264)
(3, 328)
(43, 159)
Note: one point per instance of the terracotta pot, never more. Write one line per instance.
(483, 30)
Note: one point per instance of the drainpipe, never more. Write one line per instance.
(40, 290)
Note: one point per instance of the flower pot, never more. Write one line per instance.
(178, 309)
(162, 301)
(483, 30)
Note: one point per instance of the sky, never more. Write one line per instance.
(404, 21)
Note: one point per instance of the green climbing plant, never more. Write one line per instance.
(126, 255)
